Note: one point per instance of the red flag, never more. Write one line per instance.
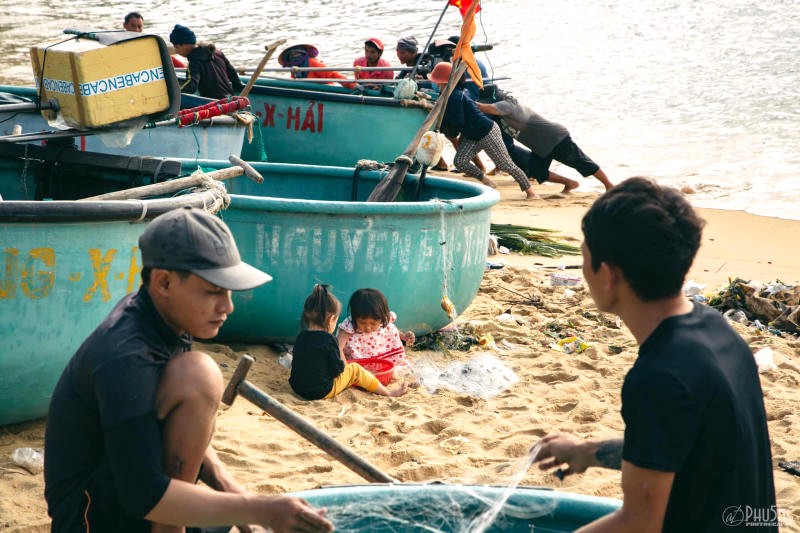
(463, 5)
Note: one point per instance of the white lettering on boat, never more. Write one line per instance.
(368, 250)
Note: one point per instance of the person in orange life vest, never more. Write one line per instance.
(134, 22)
(304, 55)
(373, 49)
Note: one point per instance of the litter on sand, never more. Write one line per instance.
(571, 344)
(483, 376)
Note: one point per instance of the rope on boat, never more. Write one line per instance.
(422, 104)
(193, 116)
(368, 164)
(403, 158)
(144, 210)
(209, 183)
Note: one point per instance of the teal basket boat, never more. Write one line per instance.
(66, 263)
(445, 508)
(63, 266)
(317, 124)
(310, 224)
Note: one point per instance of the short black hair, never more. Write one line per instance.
(133, 15)
(651, 233)
(369, 303)
(183, 274)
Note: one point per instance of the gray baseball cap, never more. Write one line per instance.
(192, 239)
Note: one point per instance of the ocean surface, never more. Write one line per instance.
(699, 95)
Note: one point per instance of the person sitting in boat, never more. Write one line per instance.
(369, 331)
(305, 55)
(209, 73)
(409, 55)
(319, 369)
(478, 132)
(132, 415)
(134, 22)
(373, 50)
(543, 140)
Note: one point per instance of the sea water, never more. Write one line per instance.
(699, 95)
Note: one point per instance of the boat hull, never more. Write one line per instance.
(307, 124)
(63, 266)
(215, 138)
(406, 508)
(302, 227)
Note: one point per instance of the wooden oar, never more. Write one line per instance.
(166, 187)
(270, 48)
(238, 385)
(389, 186)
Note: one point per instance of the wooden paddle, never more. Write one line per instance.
(157, 189)
(270, 48)
(238, 385)
(389, 186)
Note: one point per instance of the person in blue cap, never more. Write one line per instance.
(210, 74)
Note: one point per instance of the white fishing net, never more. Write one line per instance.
(483, 376)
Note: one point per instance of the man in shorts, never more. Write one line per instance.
(543, 141)
(132, 416)
(696, 452)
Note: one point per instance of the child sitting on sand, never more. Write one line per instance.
(369, 331)
(318, 368)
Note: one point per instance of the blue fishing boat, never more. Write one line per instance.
(310, 224)
(447, 508)
(316, 124)
(214, 138)
(67, 262)
(63, 265)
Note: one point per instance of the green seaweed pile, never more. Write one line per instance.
(533, 241)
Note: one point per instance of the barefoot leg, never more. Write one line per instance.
(568, 184)
(601, 176)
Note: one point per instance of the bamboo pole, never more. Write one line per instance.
(270, 48)
(389, 186)
(166, 187)
(238, 385)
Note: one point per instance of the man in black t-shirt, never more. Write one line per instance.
(696, 452)
(133, 413)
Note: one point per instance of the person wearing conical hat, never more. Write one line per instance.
(305, 55)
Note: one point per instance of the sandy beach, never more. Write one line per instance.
(463, 438)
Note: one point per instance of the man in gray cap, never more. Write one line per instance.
(133, 414)
(409, 54)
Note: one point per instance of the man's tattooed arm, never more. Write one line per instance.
(609, 454)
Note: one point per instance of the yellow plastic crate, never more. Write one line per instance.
(97, 85)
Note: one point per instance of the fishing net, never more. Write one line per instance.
(462, 510)
(483, 376)
(438, 508)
